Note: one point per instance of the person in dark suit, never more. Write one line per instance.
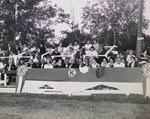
(55, 53)
(27, 53)
(73, 64)
(31, 64)
(11, 49)
(10, 67)
(66, 63)
(81, 63)
(42, 49)
(79, 54)
(59, 64)
(18, 49)
(2, 70)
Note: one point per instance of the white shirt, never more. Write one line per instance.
(11, 57)
(35, 60)
(33, 49)
(109, 65)
(96, 46)
(87, 46)
(1, 65)
(60, 49)
(91, 53)
(94, 65)
(25, 48)
(70, 54)
(76, 47)
(128, 59)
(48, 66)
(104, 64)
(119, 64)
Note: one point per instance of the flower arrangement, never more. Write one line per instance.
(100, 71)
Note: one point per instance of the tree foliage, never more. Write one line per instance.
(113, 21)
(30, 20)
(75, 35)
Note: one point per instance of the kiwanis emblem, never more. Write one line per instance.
(72, 73)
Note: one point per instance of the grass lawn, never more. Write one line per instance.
(14, 106)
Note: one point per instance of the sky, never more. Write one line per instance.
(78, 4)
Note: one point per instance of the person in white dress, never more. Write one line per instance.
(119, 62)
(110, 63)
(104, 62)
(76, 46)
(92, 52)
(96, 45)
(88, 45)
(48, 64)
(83, 66)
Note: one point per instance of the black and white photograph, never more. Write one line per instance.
(74, 59)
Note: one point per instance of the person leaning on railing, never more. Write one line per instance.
(48, 64)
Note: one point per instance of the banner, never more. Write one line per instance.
(110, 75)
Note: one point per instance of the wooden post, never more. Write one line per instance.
(139, 44)
(146, 74)
(147, 87)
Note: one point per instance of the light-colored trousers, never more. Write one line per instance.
(20, 82)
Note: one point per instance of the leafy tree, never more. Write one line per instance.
(113, 21)
(75, 35)
(30, 20)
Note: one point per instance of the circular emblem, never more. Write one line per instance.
(72, 73)
(84, 69)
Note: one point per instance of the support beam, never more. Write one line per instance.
(140, 39)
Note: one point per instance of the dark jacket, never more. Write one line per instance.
(135, 65)
(12, 67)
(66, 66)
(79, 54)
(75, 65)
